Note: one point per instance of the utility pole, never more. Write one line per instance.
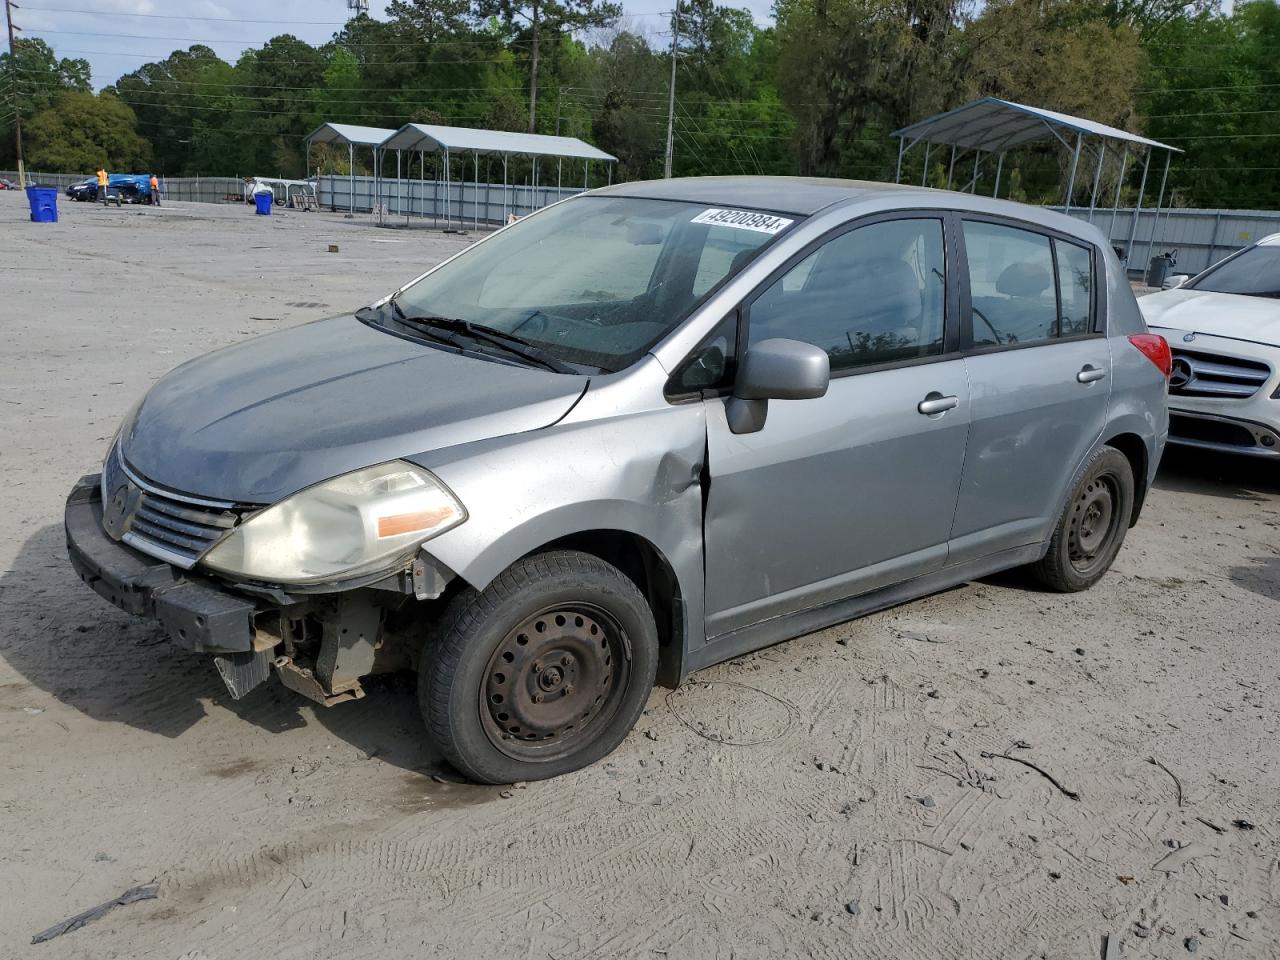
(17, 106)
(671, 100)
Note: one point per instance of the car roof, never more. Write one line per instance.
(802, 196)
(805, 196)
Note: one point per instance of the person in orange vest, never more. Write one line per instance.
(102, 185)
(155, 191)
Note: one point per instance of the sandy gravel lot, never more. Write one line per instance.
(867, 821)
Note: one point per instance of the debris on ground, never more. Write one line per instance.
(1070, 794)
(1176, 782)
(148, 891)
(1174, 861)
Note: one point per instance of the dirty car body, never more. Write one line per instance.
(640, 432)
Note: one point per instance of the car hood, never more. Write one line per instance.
(262, 419)
(1256, 319)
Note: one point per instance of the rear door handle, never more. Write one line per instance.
(1089, 373)
(935, 403)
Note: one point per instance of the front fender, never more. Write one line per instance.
(638, 473)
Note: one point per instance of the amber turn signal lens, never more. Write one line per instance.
(420, 522)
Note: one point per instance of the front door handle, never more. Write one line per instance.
(1089, 373)
(935, 403)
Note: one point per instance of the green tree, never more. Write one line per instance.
(621, 123)
(79, 131)
(277, 86)
(30, 81)
(432, 19)
(174, 98)
(339, 97)
(850, 71)
(1210, 88)
(1062, 55)
(556, 16)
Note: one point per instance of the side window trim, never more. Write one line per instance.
(1057, 290)
(674, 392)
(1096, 306)
(1097, 291)
(951, 303)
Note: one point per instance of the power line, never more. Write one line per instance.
(160, 58)
(309, 23)
(253, 41)
(1230, 88)
(169, 16)
(1211, 113)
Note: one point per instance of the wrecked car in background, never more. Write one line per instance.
(637, 433)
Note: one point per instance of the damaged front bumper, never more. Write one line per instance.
(197, 614)
(320, 645)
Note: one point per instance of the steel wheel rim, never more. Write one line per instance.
(1094, 522)
(555, 679)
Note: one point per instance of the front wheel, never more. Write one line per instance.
(541, 673)
(1091, 529)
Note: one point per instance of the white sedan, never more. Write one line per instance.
(1224, 328)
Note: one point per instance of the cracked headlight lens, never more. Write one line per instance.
(356, 524)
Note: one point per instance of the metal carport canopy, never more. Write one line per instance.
(996, 125)
(429, 137)
(351, 134)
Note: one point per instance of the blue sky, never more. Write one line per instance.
(118, 36)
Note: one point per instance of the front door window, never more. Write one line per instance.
(871, 296)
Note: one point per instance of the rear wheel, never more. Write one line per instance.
(542, 672)
(1091, 529)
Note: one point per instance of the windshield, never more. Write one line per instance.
(594, 281)
(1254, 273)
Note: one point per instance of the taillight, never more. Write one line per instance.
(1156, 349)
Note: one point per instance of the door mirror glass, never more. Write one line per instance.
(783, 370)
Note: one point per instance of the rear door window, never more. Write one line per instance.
(1025, 287)
(1011, 285)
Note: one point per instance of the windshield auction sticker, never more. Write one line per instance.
(744, 220)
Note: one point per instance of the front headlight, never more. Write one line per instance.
(352, 525)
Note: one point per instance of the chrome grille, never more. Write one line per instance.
(173, 527)
(1211, 375)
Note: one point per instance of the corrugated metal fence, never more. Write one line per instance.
(59, 180)
(459, 202)
(1200, 237)
(197, 189)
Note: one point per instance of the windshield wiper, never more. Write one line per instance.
(374, 315)
(509, 342)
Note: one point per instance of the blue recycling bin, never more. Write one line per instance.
(262, 204)
(44, 204)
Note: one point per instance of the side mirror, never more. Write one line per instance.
(1175, 280)
(775, 370)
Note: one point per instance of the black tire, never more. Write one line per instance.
(543, 672)
(1091, 529)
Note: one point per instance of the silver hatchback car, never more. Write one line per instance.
(640, 432)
